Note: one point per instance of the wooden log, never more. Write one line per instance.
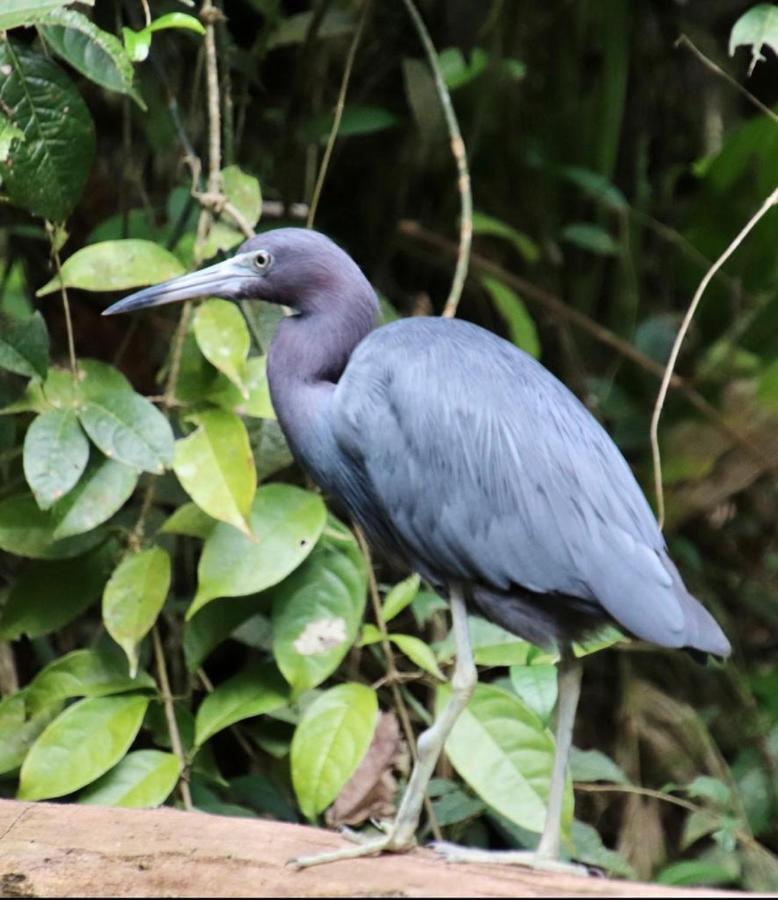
(66, 850)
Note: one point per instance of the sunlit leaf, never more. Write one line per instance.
(756, 28)
(243, 192)
(137, 43)
(224, 339)
(80, 745)
(285, 522)
(330, 742)
(400, 596)
(256, 690)
(418, 652)
(133, 598)
(29, 12)
(142, 780)
(56, 452)
(216, 468)
(189, 520)
(257, 401)
(115, 266)
(104, 488)
(537, 687)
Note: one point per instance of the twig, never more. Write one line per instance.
(684, 41)
(556, 307)
(146, 11)
(208, 13)
(339, 107)
(393, 675)
(460, 157)
(65, 301)
(687, 320)
(136, 536)
(175, 356)
(170, 716)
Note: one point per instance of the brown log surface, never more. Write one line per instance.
(66, 850)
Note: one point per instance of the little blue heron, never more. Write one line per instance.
(463, 458)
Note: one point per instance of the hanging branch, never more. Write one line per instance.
(460, 157)
(771, 201)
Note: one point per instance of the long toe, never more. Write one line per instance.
(453, 853)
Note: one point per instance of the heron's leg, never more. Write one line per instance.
(547, 854)
(401, 834)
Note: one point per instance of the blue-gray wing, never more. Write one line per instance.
(490, 470)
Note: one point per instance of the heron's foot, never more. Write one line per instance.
(391, 842)
(453, 853)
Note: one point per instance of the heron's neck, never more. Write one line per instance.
(306, 359)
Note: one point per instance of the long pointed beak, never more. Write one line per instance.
(221, 280)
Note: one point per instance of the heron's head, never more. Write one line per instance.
(294, 267)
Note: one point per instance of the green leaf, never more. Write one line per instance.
(48, 595)
(493, 645)
(330, 742)
(104, 489)
(56, 452)
(44, 174)
(137, 43)
(370, 634)
(593, 765)
(596, 185)
(712, 789)
(589, 849)
(214, 624)
(24, 345)
(80, 745)
(19, 731)
(285, 521)
(489, 225)
(698, 872)
(511, 307)
(144, 779)
(256, 403)
(755, 28)
(115, 266)
(400, 596)
(256, 690)
(418, 652)
(590, 237)
(243, 192)
(317, 611)
(189, 520)
(130, 429)
(26, 530)
(93, 379)
(511, 770)
(133, 598)
(93, 52)
(456, 71)
(216, 468)
(29, 12)
(224, 339)
(83, 673)
(537, 687)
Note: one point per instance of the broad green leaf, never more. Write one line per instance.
(214, 624)
(456, 71)
(511, 307)
(492, 646)
(589, 849)
(285, 521)
(511, 769)
(137, 43)
(216, 468)
(191, 521)
(243, 192)
(56, 452)
(256, 690)
(133, 598)
(330, 742)
(699, 872)
(371, 635)
(356, 120)
(713, 789)
(24, 345)
(489, 225)
(590, 237)
(537, 687)
(116, 266)
(755, 28)
(130, 429)
(400, 596)
(257, 403)
(224, 339)
(593, 765)
(19, 729)
(418, 652)
(80, 745)
(317, 611)
(94, 378)
(26, 530)
(46, 172)
(83, 673)
(8, 134)
(142, 780)
(95, 53)
(606, 637)
(48, 595)
(104, 489)
(29, 12)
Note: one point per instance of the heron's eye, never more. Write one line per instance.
(262, 260)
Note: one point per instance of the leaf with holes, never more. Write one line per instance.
(130, 429)
(330, 742)
(256, 690)
(80, 745)
(24, 345)
(46, 172)
(216, 468)
(56, 452)
(285, 521)
(224, 339)
(133, 598)
(144, 779)
(115, 266)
